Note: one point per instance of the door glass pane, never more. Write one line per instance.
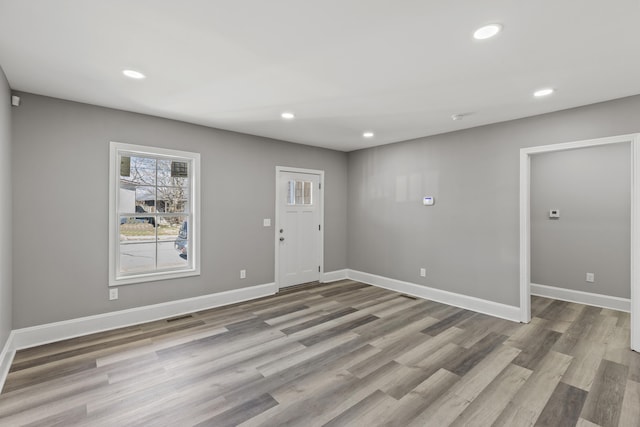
(307, 193)
(291, 194)
(300, 192)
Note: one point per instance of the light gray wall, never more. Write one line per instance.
(468, 241)
(591, 187)
(61, 161)
(6, 247)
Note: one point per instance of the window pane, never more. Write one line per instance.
(145, 200)
(173, 199)
(172, 227)
(142, 171)
(173, 173)
(137, 257)
(137, 229)
(173, 254)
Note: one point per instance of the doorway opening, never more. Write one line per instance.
(525, 223)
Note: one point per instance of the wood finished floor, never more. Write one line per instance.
(342, 354)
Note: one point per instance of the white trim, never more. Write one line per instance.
(6, 357)
(635, 243)
(491, 308)
(114, 221)
(525, 238)
(525, 229)
(333, 276)
(320, 173)
(580, 144)
(52, 332)
(580, 297)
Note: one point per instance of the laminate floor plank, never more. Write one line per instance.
(578, 329)
(587, 356)
(410, 406)
(527, 404)
(430, 347)
(604, 402)
(563, 408)
(486, 408)
(536, 349)
(337, 354)
(365, 412)
(630, 411)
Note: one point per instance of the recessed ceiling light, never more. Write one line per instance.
(368, 134)
(487, 31)
(287, 115)
(133, 74)
(543, 92)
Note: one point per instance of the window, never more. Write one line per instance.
(154, 214)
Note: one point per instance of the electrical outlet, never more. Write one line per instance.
(591, 277)
(266, 222)
(113, 293)
(423, 272)
(243, 274)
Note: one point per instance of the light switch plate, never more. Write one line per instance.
(266, 222)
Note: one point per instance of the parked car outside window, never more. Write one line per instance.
(182, 244)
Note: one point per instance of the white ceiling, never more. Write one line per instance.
(398, 68)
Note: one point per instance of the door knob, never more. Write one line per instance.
(282, 239)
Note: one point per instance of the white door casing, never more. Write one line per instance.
(299, 226)
(525, 223)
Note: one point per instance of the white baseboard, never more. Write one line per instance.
(6, 357)
(588, 298)
(491, 308)
(333, 276)
(52, 332)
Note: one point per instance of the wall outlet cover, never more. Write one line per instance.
(243, 274)
(423, 272)
(113, 294)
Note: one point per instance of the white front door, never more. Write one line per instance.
(298, 231)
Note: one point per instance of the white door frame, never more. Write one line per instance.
(320, 173)
(525, 223)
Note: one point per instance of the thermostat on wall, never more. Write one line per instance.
(428, 201)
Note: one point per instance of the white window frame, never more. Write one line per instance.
(115, 279)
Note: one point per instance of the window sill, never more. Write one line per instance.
(152, 277)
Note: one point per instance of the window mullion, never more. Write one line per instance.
(157, 224)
